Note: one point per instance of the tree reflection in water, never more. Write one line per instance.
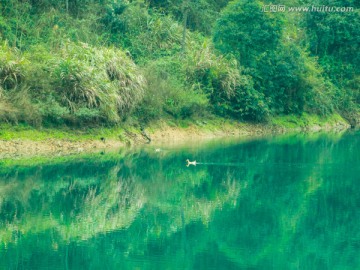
(285, 201)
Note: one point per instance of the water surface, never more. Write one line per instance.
(288, 202)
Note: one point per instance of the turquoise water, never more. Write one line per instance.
(288, 202)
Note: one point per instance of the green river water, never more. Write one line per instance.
(290, 202)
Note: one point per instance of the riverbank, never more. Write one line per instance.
(24, 141)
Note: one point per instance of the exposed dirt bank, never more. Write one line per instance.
(158, 134)
(175, 135)
(27, 148)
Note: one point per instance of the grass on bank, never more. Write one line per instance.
(26, 132)
(306, 120)
(211, 123)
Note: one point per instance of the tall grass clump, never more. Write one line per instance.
(11, 67)
(77, 84)
(96, 84)
(15, 101)
(10, 76)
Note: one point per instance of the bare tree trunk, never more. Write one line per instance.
(67, 6)
(185, 15)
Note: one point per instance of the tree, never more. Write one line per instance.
(200, 14)
(284, 76)
(334, 37)
(247, 32)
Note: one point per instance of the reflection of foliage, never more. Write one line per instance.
(77, 208)
(194, 197)
(113, 207)
(152, 207)
(87, 198)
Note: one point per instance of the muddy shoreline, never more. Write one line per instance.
(53, 147)
(161, 134)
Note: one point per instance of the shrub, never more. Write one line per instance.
(320, 93)
(231, 93)
(146, 36)
(167, 93)
(216, 74)
(245, 103)
(7, 111)
(27, 110)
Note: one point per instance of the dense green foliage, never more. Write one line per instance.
(99, 62)
(277, 58)
(335, 39)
